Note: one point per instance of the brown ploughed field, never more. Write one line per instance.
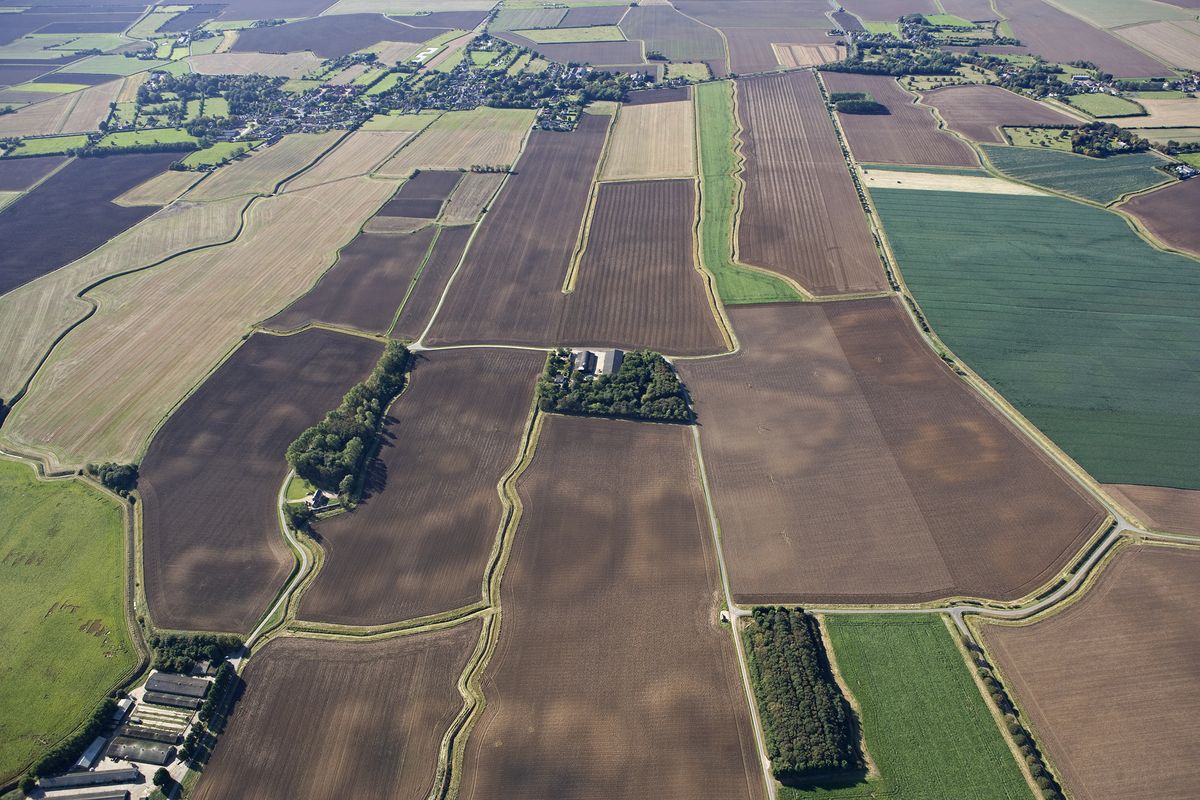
(1057, 36)
(365, 287)
(419, 541)
(18, 174)
(323, 719)
(750, 49)
(909, 134)
(637, 284)
(597, 53)
(1170, 214)
(330, 37)
(801, 216)
(418, 308)
(212, 550)
(1110, 685)
(422, 195)
(612, 677)
(1159, 507)
(977, 112)
(888, 10)
(849, 464)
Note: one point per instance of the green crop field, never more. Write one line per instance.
(926, 726)
(595, 33)
(143, 137)
(1089, 331)
(50, 145)
(716, 126)
(689, 71)
(1105, 105)
(63, 640)
(878, 27)
(217, 154)
(1101, 180)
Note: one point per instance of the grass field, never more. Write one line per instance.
(1049, 138)
(719, 197)
(217, 154)
(926, 726)
(1105, 105)
(596, 33)
(49, 145)
(882, 27)
(63, 641)
(692, 72)
(151, 136)
(1101, 180)
(1084, 327)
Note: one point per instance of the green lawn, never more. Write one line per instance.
(63, 641)
(926, 726)
(217, 154)
(147, 136)
(1051, 138)
(1105, 105)
(1101, 180)
(596, 33)
(875, 26)
(297, 488)
(1190, 158)
(50, 145)
(1088, 330)
(690, 71)
(216, 107)
(716, 126)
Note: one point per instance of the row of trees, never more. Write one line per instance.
(895, 59)
(807, 722)
(179, 652)
(332, 454)
(645, 387)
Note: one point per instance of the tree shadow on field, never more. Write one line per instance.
(839, 779)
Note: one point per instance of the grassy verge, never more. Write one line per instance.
(62, 621)
(716, 130)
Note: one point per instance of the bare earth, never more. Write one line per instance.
(1161, 508)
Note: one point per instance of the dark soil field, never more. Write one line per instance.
(366, 285)
(637, 284)
(446, 255)
(192, 18)
(801, 216)
(1169, 214)
(612, 677)
(750, 48)
(975, 10)
(888, 10)
(1163, 509)
(422, 195)
(651, 96)
(12, 74)
(1109, 685)
(1057, 36)
(213, 553)
(597, 53)
(321, 719)
(18, 174)
(420, 540)
(84, 78)
(74, 202)
(586, 16)
(978, 112)
(909, 134)
(849, 464)
(274, 9)
(79, 19)
(329, 37)
(750, 26)
(463, 20)
(678, 38)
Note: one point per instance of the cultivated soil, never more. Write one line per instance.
(1170, 215)
(978, 112)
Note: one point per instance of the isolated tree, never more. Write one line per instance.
(162, 778)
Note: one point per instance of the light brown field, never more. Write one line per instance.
(449, 49)
(462, 139)
(108, 383)
(347, 75)
(1171, 113)
(944, 182)
(474, 191)
(397, 225)
(588, 695)
(263, 169)
(1110, 684)
(357, 154)
(33, 314)
(808, 55)
(652, 140)
(1161, 508)
(130, 86)
(38, 119)
(848, 463)
(391, 52)
(91, 107)
(161, 189)
(277, 65)
(1169, 42)
(370, 726)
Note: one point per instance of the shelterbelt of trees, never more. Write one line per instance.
(645, 387)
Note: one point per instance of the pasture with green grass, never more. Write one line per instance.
(217, 154)
(1105, 105)
(595, 33)
(719, 198)
(1101, 180)
(49, 145)
(1050, 138)
(63, 640)
(1089, 331)
(148, 136)
(927, 727)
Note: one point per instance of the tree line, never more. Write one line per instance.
(644, 387)
(808, 724)
(179, 652)
(332, 454)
